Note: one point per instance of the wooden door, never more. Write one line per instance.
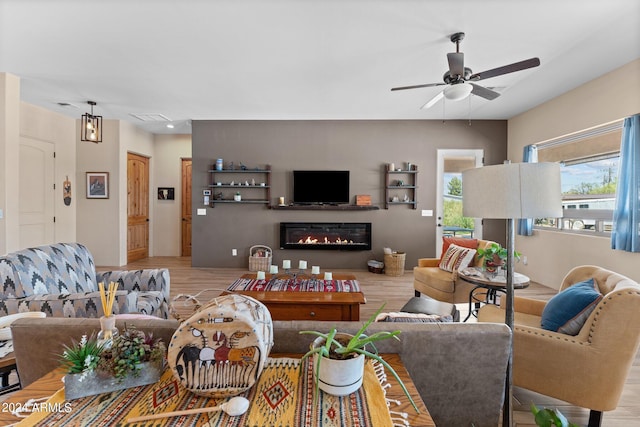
(186, 207)
(36, 192)
(137, 207)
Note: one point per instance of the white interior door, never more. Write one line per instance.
(449, 217)
(36, 191)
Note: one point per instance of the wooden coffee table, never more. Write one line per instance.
(285, 305)
(8, 365)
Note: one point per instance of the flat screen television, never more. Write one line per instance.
(320, 187)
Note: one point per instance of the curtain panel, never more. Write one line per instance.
(626, 214)
(525, 225)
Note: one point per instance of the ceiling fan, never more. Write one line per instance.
(458, 78)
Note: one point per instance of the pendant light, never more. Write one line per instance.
(91, 126)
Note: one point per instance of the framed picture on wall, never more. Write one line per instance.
(97, 185)
(166, 193)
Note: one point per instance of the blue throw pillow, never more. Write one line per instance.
(567, 311)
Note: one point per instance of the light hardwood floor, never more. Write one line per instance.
(395, 291)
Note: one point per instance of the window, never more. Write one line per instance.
(589, 168)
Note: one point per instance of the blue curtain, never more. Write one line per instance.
(626, 214)
(525, 225)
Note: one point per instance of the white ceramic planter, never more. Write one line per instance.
(339, 377)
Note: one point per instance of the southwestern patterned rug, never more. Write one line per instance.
(295, 285)
(283, 397)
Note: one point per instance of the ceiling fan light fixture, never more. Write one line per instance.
(457, 92)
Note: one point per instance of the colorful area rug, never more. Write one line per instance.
(298, 285)
(283, 396)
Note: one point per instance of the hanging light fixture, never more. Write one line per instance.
(91, 126)
(458, 91)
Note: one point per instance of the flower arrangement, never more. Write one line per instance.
(122, 359)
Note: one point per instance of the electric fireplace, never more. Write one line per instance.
(346, 236)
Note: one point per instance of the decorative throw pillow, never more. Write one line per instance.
(456, 257)
(567, 311)
(459, 241)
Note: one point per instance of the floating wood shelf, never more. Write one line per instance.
(325, 208)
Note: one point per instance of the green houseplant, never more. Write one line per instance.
(129, 351)
(134, 359)
(550, 418)
(495, 256)
(333, 346)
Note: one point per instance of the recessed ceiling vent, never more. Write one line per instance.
(150, 117)
(67, 105)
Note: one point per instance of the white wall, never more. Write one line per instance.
(9, 148)
(167, 170)
(97, 223)
(610, 97)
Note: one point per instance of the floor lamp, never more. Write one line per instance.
(511, 191)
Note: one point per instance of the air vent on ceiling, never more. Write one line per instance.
(67, 105)
(150, 117)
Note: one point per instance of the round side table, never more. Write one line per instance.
(487, 287)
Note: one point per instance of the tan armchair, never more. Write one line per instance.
(589, 369)
(442, 285)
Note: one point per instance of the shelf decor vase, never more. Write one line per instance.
(96, 382)
(108, 331)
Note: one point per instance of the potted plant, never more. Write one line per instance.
(550, 418)
(344, 354)
(129, 351)
(495, 256)
(133, 359)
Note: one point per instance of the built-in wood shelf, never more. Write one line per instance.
(325, 208)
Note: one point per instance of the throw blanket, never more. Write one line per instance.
(283, 396)
(298, 285)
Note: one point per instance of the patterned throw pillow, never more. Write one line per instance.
(456, 257)
(459, 241)
(567, 311)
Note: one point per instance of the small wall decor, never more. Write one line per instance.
(166, 193)
(97, 185)
(66, 191)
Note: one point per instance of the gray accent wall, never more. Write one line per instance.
(363, 147)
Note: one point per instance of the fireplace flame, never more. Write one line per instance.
(313, 241)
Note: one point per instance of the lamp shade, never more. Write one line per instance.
(513, 190)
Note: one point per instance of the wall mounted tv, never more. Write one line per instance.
(320, 187)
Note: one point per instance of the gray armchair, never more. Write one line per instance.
(60, 280)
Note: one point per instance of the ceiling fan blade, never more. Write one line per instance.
(417, 86)
(456, 63)
(484, 92)
(433, 100)
(516, 66)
